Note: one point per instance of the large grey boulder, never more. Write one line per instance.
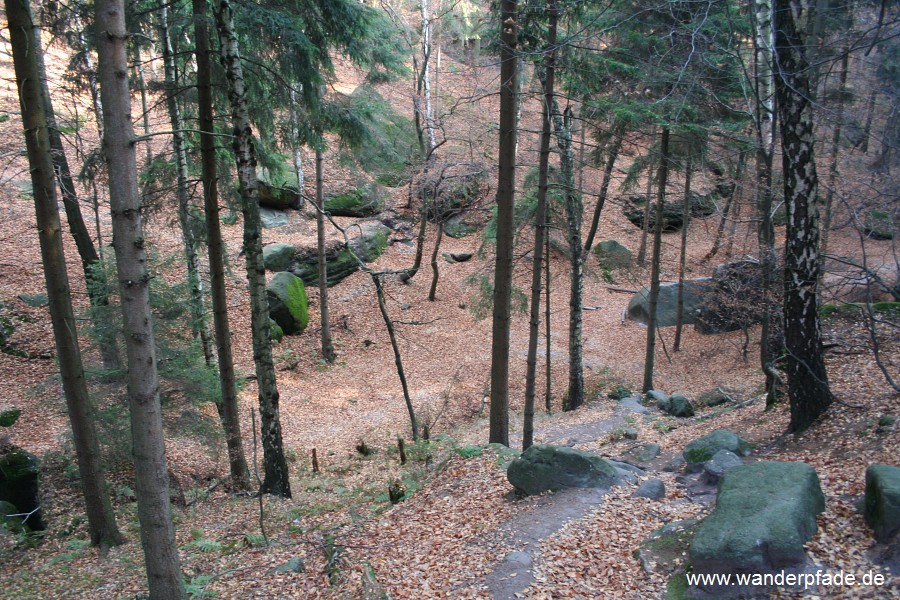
(703, 449)
(287, 302)
(882, 508)
(667, 306)
(544, 468)
(278, 257)
(764, 514)
(642, 453)
(272, 218)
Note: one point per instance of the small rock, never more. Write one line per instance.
(643, 453)
(661, 398)
(679, 406)
(630, 433)
(519, 558)
(548, 468)
(722, 461)
(632, 404)
(654, 489)
(702, 449)
(674, 465)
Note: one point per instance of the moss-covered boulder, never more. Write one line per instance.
(9, 416)
(764, 514)
(544, 468)
(673, 214)
(279, 197)
(19, 474)
(703, 449)
(368, 243)
(882, 507)
(287, 302)
(275, 331)
(364, 201)
(613, 255)
(278, 257)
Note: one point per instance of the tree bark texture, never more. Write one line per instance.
(506, 182)
(808, 388)
(324, 314)
(682, 259)
(151, 476)
(619, 137)
(276, 480)
(25, 40)
(540, 226)
(228, 407)
(653, 300)
(185, 213)
(574, 214)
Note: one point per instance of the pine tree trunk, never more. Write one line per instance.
(682, 260)
(807, 378)
(506, 184)
(870, 116)
(604, 186)
(25, 40)
(94, 274)
(653, 300)
(574, 214)
(185, 215)
(151, 477)
(228, 407)
(297, 154)
(540, 227)
(276, 480)
(324, 316)
(645, 230)
(548, 382)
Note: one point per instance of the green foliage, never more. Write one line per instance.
(526, 205)
(186, 381)
(482, 301)
(8, 417)
(469, 451)
(619, 392)
(389, 146)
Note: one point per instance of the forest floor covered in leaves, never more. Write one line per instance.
(340, 536)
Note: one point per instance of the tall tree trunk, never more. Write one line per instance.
(835, 153)
(228, 407)
(27, 58)
(138, 67)
(653, 301)
(91, 264)
(506, 186)
(435, 273)
(185, 214)
(574, 214)
(645, 230)
(807, 378)
(324, 316)
(276, 480)
(870, 116)
(150, 472)
(682, 260)
(426, 78)
(619, 137)
(298, 153)
(389, 324)
(764, 119)
(548, 382)
(540, 227)
(726, 210)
